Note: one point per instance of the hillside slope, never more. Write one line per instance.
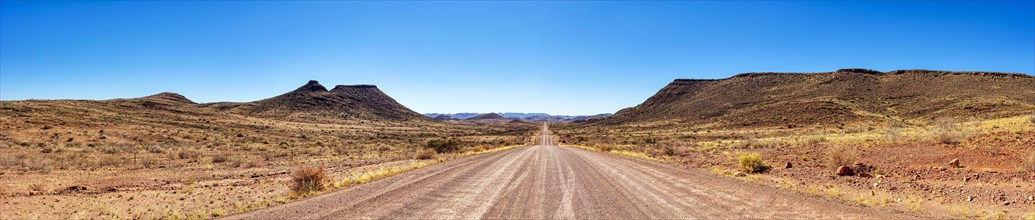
(843, 96)
(313, 101)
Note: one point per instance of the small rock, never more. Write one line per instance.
(916, 177)
(76, 188)
(1006, 203)
(739, 174)
(787, 165)
(970, 198)
(966, 178)
(845, 171)
(955, 163)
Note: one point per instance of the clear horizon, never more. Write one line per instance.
(559, 58)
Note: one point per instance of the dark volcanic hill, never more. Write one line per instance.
(488, 116)
(313, 101)
(843, 96)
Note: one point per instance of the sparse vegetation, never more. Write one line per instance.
(1028, 162)
(444, 145)
(947, 132)
(752, 163)
(841, 155)
(426, 154)
(307, 180)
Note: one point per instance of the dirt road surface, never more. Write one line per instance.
(546, 181)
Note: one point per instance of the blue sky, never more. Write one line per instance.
(552, 57)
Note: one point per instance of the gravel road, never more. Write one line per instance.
(545, 181)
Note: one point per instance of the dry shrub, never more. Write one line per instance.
(950, 137)
(841, 155)
(1028, 163)
(188, 154)
(307, 180)
(752, 163)
(444, 145)
(426, 154)
(220, 158)
(947, 132)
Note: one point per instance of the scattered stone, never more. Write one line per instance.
(966, 178)
(916, 177)
(845, 171)
(970, 198)
(111, 189)
(1006, 203)
(739, 174)
(787, 166)
(955, 163)
(75, 188)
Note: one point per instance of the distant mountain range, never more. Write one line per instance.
(512, 115)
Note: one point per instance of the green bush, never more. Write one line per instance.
(752, 163)
(444, 145)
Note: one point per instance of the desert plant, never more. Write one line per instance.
(220, 158)
(950, 137)
(307, 180)
(1028, 163)
(947, 132)
(840, 155)
(426, 154)
(188, 154)
(752, 163)
(444, 145)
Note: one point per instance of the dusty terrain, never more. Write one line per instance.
(909, 167)
(902, 130)
(164, 156)
(546, 181)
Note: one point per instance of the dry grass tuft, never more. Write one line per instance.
(841, 155)
(1028, 163)
(307, 180)
(947, 132)
(426, 154)
(752, 163)
(220, 158)
(444, 145)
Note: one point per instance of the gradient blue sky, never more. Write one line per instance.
(552, 57)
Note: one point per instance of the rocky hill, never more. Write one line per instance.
(488, 116)
(313, 101)
(842, 96)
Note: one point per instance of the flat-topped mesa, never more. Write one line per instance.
(852, 95)
(690, 81)
(359, 86)
(354, 88)
(312, 86)
(859, 70)
(943, 72)
(758, 74)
